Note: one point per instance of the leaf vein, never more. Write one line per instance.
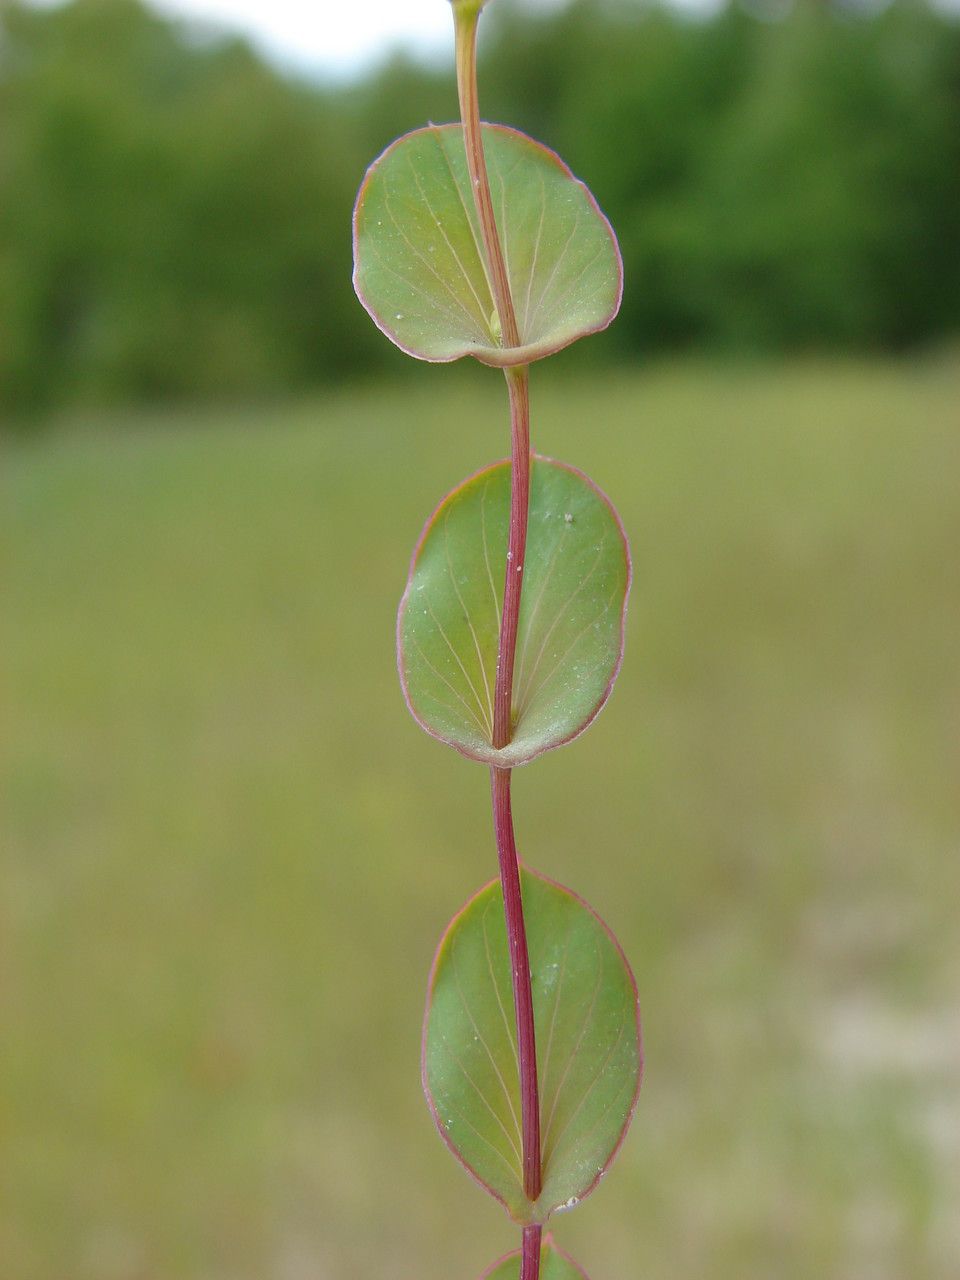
(473, 688)
(442, 280)
(511, 1033)
(556, 1003)
(576, 1048)
(456, 257)
(473, 632)
(480, 1037)
(556, 267)
(598, 1076)
(524, 696)
(558, 665)
(486, 551)
(468, 214)
(456, 692)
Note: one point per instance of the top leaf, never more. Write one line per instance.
(420, 268)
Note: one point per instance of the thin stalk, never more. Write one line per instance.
(466, 14)
(530, 1252)
(520, 971)
(503, 815)
(518, 387)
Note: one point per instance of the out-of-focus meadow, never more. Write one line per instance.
(229, 852)
(233, 851)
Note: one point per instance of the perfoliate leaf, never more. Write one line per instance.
(419, 264)
(554, 1265)
(570, 635)
(588, 1045)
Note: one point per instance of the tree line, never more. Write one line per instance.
(175, 213)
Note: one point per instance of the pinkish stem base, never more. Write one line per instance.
(530, 1253)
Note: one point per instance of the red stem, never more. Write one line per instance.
(518, 386)
(530, 1252)
(503, 815)
(466, 13)
(520, 970)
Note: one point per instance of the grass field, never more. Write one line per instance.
(229, 852)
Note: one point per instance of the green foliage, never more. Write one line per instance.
(420, 267)
(169, 215)
(588, 1045)
(570, 636)
(775, 185)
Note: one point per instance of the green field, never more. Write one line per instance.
(229, 852)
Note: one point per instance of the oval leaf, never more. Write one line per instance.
(420, 268)
(588, 1045)
(572, 610)
(554, 1265)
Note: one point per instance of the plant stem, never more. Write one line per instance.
(530, 1252)
(518, 387)
(466, 14)
(503, 815)
(520, 970)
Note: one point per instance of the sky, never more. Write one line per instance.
(341, 37)
(333, 36)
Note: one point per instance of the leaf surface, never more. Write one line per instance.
(554, 1265)
(419, 263)
(588, 1045)
(570, 634)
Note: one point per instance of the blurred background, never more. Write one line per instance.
(229, 853)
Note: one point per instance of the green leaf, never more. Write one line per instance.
(588, 1045)
(554, 1265)
(419, 265)
(570, 636)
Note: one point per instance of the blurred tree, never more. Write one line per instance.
(174, 215)
(172, 218)
(775, 184)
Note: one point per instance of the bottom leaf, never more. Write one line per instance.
(588, 1045)
(554, 1265)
